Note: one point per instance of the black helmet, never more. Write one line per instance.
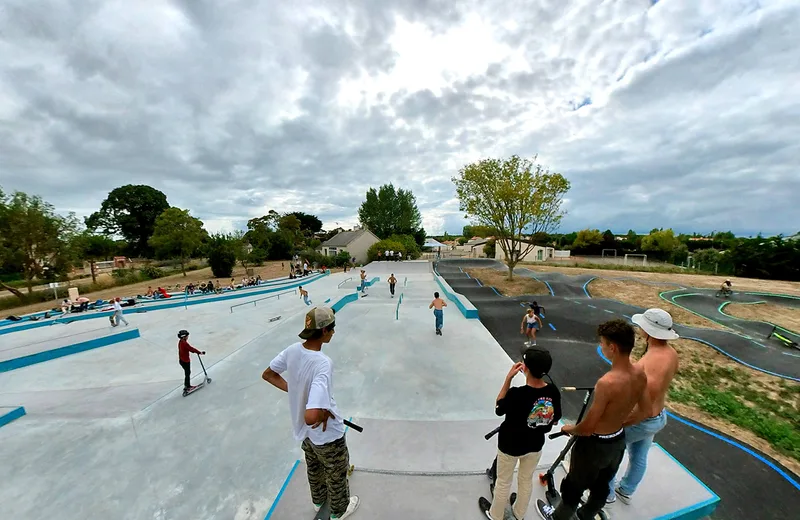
(183, 333)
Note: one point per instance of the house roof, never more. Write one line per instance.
(344, 238)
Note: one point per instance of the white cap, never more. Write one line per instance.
(657, 323)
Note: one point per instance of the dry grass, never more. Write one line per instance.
(267, 271)
(499, 280)
(646, 296)
(697, 359)
(786, 317)
(687, 280)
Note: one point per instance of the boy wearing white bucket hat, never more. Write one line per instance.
(660, 363)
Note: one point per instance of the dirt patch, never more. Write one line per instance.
(786, 317)
(499, 280)
(267, 271)
(646, 296)
(686, 280)
(774, 397)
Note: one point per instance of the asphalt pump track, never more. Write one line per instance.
(750, 484)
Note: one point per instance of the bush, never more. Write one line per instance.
(193, 268)
(151, 273)
(385, 245)
(222, 255)
(341, 259)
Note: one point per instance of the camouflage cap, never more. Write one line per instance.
(316, 319)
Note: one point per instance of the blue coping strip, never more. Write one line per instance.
(282, 490)
(47, 355)
(790, 354)
(585, 290)
(497, 293)
(696, 511)
(154, 306)
(352, 297)
(740, 361)
(552, 326)
(747, 450)
(608, 311)
(13, 415)
(540, 280)
(592, 306)
(470, 314)
(479, 282)
(549, 288)
(326, 301)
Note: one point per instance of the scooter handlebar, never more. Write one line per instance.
(356, 427)
(576, 388)
(556, 435)
(491, 433)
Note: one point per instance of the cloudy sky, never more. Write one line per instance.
(670, 113)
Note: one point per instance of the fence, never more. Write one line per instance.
(255, 302)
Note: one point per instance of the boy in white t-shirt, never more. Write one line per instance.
(309, 382)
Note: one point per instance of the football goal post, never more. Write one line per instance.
(643, 257)
(609, 251)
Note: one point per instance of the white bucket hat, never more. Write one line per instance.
(657, 323)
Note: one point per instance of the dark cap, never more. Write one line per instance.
(537, 361)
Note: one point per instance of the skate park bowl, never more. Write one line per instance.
(102, 413)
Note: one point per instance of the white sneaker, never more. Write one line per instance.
(351, 508)
(317, 508)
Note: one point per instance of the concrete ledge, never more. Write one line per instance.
(464, 305)
(8, 415)
(174, 302)
(352, 297)
(47, 355)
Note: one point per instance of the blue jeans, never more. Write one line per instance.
(638, 439)
(305, 299)
(439, 313)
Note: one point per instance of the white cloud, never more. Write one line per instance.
(688, 112)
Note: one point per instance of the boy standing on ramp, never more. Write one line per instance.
(392, 282)
(600, 446)
(660, 363)
(530, 411)
(184, 359)
(438, 305)
(309, 383)
(363, 282)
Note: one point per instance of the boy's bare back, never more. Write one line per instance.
(620, 390)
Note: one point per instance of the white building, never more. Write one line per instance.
(535, 254)
(355, 242)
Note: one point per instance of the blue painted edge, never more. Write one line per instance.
(13, 415)
(719, 349)
(695, 511)
(470, 314)
(735, 444)
(154, 307)
(344, 300)
(585, 290)
(549, 288)
(552, 326)
(498, 294)
(282, 490)
(48, 355)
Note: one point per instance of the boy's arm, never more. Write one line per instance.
(593, 415)
(275, 379)
(499, 409)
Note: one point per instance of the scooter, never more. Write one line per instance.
(552, 495)
(193, 389)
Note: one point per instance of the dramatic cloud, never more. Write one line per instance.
(676, 113)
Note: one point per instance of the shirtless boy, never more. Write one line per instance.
(392, 282)
(438, 305)
(598, 451)
(304, 295)
(660, 363)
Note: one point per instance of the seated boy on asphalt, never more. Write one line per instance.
(531, 411)
(598, 451)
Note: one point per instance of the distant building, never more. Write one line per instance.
(355, 242)
(535, 254)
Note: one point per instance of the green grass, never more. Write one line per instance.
(733, 395)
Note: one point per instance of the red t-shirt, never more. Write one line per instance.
(183, 350)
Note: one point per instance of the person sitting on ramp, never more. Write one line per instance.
(530, 413)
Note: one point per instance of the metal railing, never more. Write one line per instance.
(255, 302)
(397, 310)
(344, 282)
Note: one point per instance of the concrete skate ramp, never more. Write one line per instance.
(398, 268)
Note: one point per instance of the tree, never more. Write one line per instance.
(588, 240)
(309, 224)
(34, 237)
(388, 212)
(385, 245)
(661, 242)
(91, 247)
(130, 211)
(477, 231)
(221, 254)
(489, 249)
(177, 234)
(511, 196)
(409, 245)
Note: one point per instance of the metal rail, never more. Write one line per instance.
(344, 282)
(255, 302)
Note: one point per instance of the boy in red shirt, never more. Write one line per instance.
(183, 357)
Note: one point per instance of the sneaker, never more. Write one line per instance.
(351, 508)
(544, 509)
(485, 506)
(317, 507)
(611, 499)
(626, 499)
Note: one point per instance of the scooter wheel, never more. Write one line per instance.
(543, 479)
(208, 380)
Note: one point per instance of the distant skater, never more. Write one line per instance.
(304, 295)
(537, 309)
(183, 357)
(531, 322)
(118, 313)
(363, 282)
(438, 305)
(392, 282)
